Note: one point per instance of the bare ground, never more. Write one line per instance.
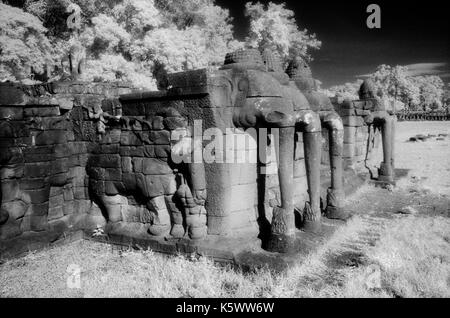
(396, 245)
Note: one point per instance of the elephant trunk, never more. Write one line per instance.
(394, 123)
(282, 234)
(386, 122)
(335, 193)
(312, 136)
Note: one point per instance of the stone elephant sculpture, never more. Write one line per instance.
(264, 97)
(134, 180)
(386, 121)
(300, 73)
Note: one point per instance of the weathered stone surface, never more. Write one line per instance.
(348, 151)
(7, 130)
(112, 187)
(10, 172)
(65, 103)
(244, 197)
(41, 111)
(56, 199)
(11, 113)
(105, 161)
(16, 209)
(155, 185)
(115, 206)
(38, 209)
(79, 160)
(39, 195)
(55, 213)
(30, 184)
(10, 229)
(40, 169)
(353, 121)
(51, 137)
(127, 165)
(138, 165)
(113, 174)
(131, 151)
(131, 214)
(160, 137)
(172, 123)
(160, 220)
(157, 122)
(10, 190)
(77, 175)
(128, 138)
(106, 149)
(36, 223)
(155, 166)
(299, 168)
(113, 136)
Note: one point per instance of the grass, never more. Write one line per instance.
(412, 254)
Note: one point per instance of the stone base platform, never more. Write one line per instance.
(240, 252)
(35, 241)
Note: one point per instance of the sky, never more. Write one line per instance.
(412, 34)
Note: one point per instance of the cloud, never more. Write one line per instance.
(427, 69)
(445, 75)
(419, 69)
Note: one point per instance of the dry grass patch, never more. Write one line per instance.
(411, 252)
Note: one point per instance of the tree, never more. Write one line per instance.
(24, 48)
(395, 86)
(274, 27)
(431, 89)
(159, 37)
(345, 91)
(204, 23)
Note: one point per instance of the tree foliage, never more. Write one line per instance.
(24, 48)
(396, 86)
(345, 91)
(274, 27)
(141, 40)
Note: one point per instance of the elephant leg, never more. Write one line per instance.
(177, 229)
(114, 205)
(197, 228)
(335, 193)
(160, 218)
(282, 234)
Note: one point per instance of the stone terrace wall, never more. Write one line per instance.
(74, 156)
(46, 135)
